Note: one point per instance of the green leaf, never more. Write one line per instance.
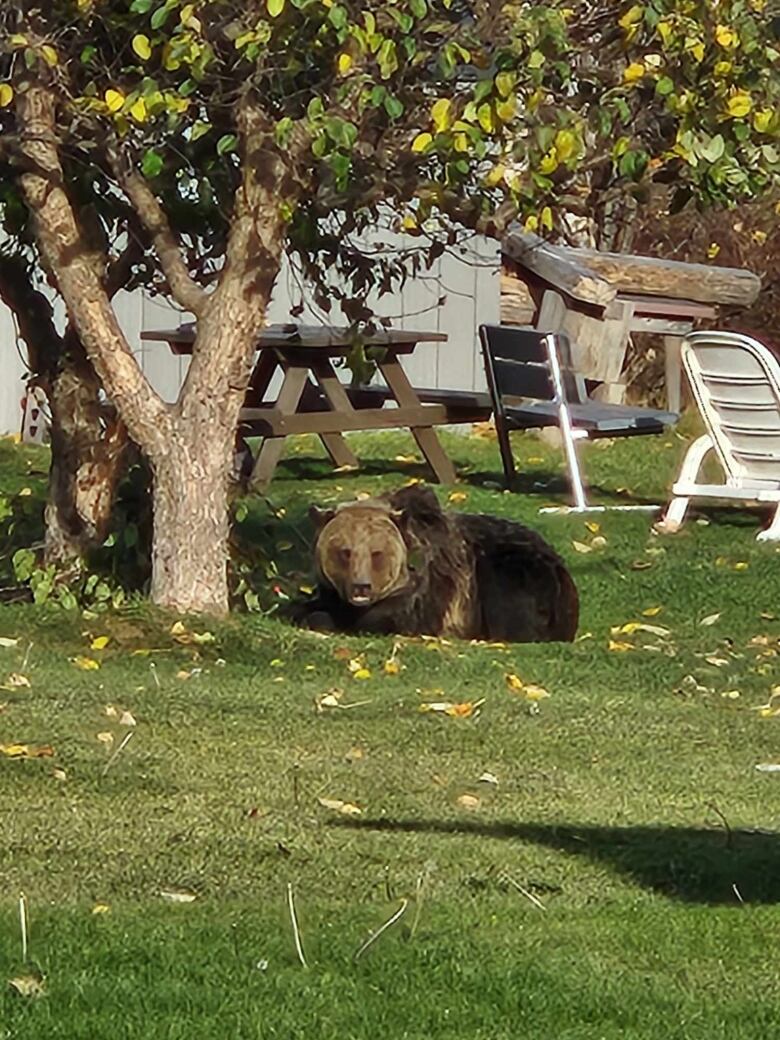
(419, 8)
(227, 143)
(142, 46)
(199, 129)
(664, 86)
(151, 164)
(713, 150)
(275, 7)
(394, 107)
(141, 6)
(337, 16)
(160, 16)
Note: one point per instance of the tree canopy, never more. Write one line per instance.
(186, 144)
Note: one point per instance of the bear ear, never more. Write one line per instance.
(320, 517)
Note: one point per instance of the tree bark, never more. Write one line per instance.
(190, 545)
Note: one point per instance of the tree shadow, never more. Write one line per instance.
(697, 865)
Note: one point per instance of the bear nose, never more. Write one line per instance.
(360, 590)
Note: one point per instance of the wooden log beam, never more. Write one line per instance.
(559, 268)
(654, 276)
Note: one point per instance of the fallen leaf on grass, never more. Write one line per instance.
(28, 985)
(59, 774)
(184, 636)
(514, 682)
(462, 710)
(337, 805)
(641, 565)
(652, 611)
(532, 692)
(638, 626)
(457, 496)
(99, 643)
(86, 664)
(616, 646)
(105, 738)
(768, 767)
(101, 908)
(27, 750)
(592, 526)
(488, 778)
(8, 643)
(355, 754)
(362, 673)
(392, 666)
(468, 801)
(172, 895)
(599, 542)
(710, 619)
(15, 681)
(717, 662)
(581, 547)
(126, 719)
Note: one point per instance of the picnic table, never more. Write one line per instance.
(312, 399)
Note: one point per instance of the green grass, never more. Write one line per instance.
(629, 806)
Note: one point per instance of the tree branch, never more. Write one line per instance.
(184, 289)
(79, 273)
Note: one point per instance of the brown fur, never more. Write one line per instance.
(401, 564)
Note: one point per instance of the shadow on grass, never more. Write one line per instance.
(698, 865)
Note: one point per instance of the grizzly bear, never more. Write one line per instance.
(400, 564)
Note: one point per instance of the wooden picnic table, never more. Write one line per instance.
(312, 398)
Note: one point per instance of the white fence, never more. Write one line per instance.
(467, 283)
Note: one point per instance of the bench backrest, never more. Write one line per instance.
(735, 381)
(522, 362)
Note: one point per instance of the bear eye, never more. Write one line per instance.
(377, 556)
(345, 553)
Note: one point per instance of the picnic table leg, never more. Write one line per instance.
(295, 378)
(426, 438)
(335, 444)
(673, 367)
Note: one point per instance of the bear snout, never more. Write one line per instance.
(360, 593)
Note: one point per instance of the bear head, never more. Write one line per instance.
(360, 551)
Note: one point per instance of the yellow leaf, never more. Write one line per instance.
(105, 738)
(665, 31)
(713, 251)
(362, 673)
(49, 55)
(59, 774)
(633, 72)
(142, 46)
(457, 496)
(275, 7)
(392, 666)
(566, 144)
(468, 801)
(581, 547)
(114, 100)
(549, 161)
(422, 142)
(441, 115)
(337, 805)
(99, 643)
(126, 719)
(721, 68)
(495, 176)
(138, 110)
(86, 664)
(514, 682)
(486, 118)
(632, 16)
(741, 566)
(652, 611)
(726, 36)
(506, 108)
(696, 47)
(546, 218)
(344, 63)
(618, 647)
(6, 94)
(27, 750)
(593, 527)
(710, 619)
(101, 908)
(740, 104)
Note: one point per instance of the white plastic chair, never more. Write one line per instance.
(735, 381)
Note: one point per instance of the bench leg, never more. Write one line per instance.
(673, 371)
(272, 447)
(427, 441)
(334, 443)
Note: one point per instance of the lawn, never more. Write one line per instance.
(613, 873)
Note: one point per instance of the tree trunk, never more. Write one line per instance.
(191, 524)
(87, 458)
